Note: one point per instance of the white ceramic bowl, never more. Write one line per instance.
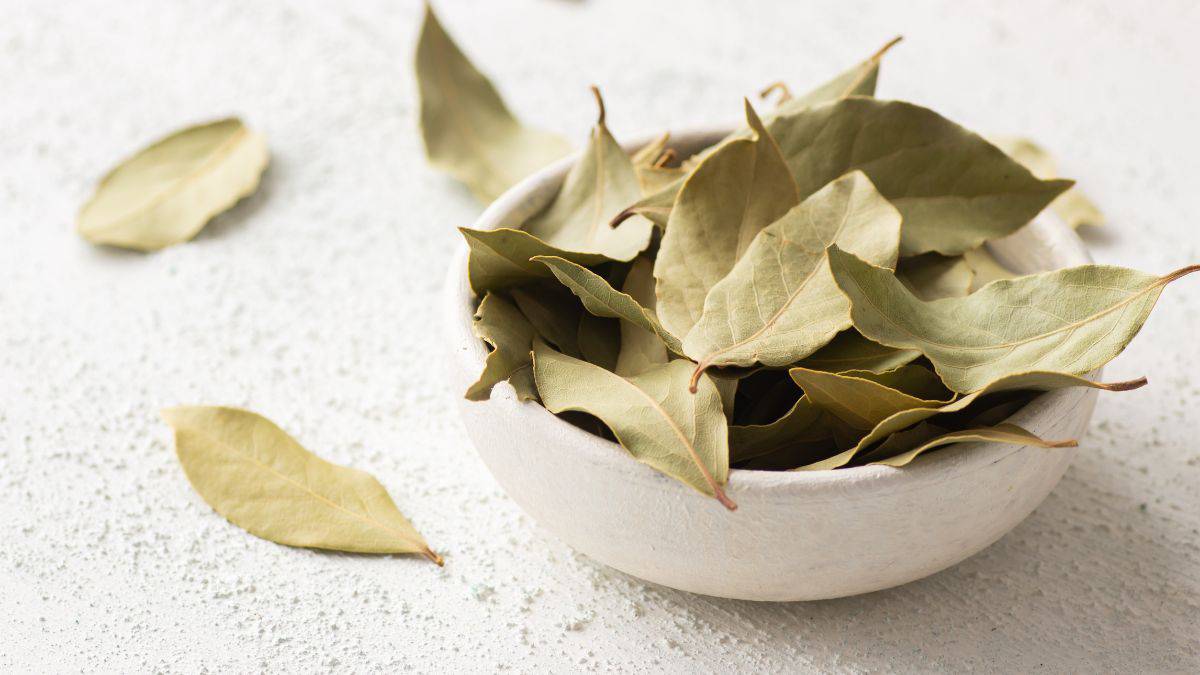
(795, 535)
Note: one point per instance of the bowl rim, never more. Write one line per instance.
(946, 464)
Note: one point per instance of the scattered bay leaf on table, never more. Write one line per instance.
(860, 402)
(598, 187)
(727, 200)
(858, 80)
(1072, 206)
(602, 299)
(652, 415)
(167, 192)
(954, 189)
(849, 350)
(468, 130)
(499, 259)
(1001, 433)
(641, 348)
(501, 325)
(931, 276)
(1032, 381)
(1073, 320)
(985, 268)
(779, 302)
(263, 481)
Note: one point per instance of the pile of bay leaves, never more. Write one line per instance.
(811, 292)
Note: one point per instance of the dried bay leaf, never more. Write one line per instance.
(863, 403)
(468, 130)
(259, 478)
(954, 189)
(499, 259)
(859, 80)
(849, 350)
(1073, 320)
(728, 199)
(602, 299)
(1072, 206)
(167, 192)
(903, 419)
(641, 348)
(1001, 433)
(803, 428)
(984, 268)
(931, 276)
(599, 340)
(597, 188)
(779, 302)
(652, 415)
(554, 313)
(510, 334)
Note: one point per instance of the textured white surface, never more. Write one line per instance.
(314, 303)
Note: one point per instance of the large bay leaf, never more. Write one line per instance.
(501, 325)
(468, 130)
(954, 189)
(1073, 320)
(779, 302)
(1072, 206)
(601, 299)
(1001, 433)
(728, 199)
(863, 403)
(167, 192)
(499, 259)
(263, 481)
(651, 414)
(932, 276)
(849, 350)
(600, 185)
(641, 348)
(903, 419)
(859, 80)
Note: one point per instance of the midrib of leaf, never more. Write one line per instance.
(1158, 283)
(718, 492)
(424, 550)
(220, 152)
(598, 192)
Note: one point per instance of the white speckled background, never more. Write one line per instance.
(313, 303)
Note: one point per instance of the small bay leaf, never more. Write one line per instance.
(259, 478)
(779, 302)
(167, 192)
(468, 130)
(1072, 320)
(954, 189)
(501, 325)
(931, 276)
(652, 415)
(728, 199)
(1001, 433)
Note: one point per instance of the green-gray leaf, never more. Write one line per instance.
(779, 302)
(501, 325)
(468, 131)
(864, 403)
(954, 189)
(897, 455)
(731, 196)
(651, 414)
(849, 350)
(1073, 320)
(802, 428)
(641, 348)
(984, 268)
(500, 259)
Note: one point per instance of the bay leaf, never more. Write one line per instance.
(903, 419)
(597, 188)
(1001, 433)
(954, 189)
(1072, 320)
(259, 478)
(1072, 206)
(641, 348)
(601, 299)
(501, 325)
(554, 313)
(167, 192)
(649, 154)
(468, 130)
(502, 258)
(599, 340)
(652, 415)
(731, 196)
(931, 276)
(861, 402)
(985, 268)
(859, 80)
(802, 428)
(849, 350)
(779, 302)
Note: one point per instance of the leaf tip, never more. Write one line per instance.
(884, 49)
(433, 557)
